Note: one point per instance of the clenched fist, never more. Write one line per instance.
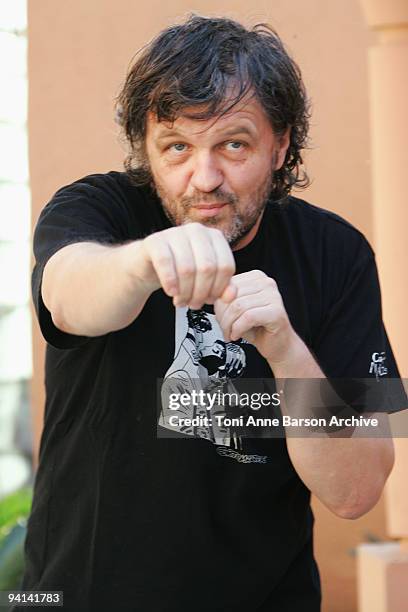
(192, 263)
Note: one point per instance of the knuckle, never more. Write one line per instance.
(186, 270)
(162, 260)
(168, 281)
(236, 328)
(176, 229)
(207, 268)
(227, 268)
(167, 233)
(172, 234)
(238, 307)
(150, 240)
(247, 317)
(193, 227)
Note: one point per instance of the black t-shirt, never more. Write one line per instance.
(125, 520)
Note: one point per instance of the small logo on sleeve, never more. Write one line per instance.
(377, 366)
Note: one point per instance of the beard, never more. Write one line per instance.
(243, 212)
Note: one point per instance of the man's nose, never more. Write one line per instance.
(206, 175)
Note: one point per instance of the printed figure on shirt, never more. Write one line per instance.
(203, 361)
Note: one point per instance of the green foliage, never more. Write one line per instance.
(14, 506)
(14, 510)
(12, 558)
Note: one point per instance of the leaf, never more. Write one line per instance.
(12, 508)
(12, 559)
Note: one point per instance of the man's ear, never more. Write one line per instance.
(282, 145)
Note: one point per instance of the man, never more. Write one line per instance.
(201, 233)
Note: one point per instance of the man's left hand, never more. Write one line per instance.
(257, 314)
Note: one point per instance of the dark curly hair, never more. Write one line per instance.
(192, 66)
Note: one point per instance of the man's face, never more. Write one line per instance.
(217, 171)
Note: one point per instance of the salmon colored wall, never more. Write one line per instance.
(78, 55)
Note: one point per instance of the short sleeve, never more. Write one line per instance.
(353, 344)
(89, 210)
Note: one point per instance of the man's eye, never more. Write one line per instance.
(234, 145)
(178, 147)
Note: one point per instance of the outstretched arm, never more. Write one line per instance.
(92, 289)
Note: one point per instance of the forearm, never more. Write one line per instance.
(346, 474)
(93, 289)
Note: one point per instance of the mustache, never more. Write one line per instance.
(214, 197)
